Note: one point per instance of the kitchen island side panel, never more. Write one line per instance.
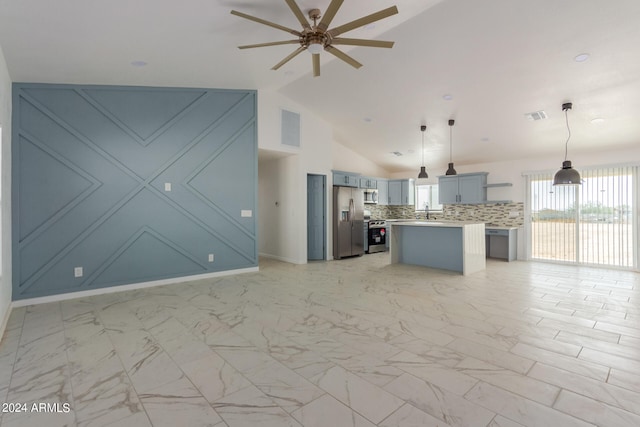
(434, 247)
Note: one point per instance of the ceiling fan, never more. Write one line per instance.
(318, 37)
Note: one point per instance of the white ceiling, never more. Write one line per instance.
(498, 59)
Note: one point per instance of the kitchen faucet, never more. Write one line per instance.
(426, 209)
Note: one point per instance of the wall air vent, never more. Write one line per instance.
(536, 115)
(290, 128)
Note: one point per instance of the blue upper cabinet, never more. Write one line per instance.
(383, 191)
(130, 183)
(368, 183)
(401, 192)
(395, 192)
(463, 188)
(345, 180)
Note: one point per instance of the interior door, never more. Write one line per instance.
(316, 217)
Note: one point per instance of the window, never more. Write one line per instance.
(427, 198)
(588, 224)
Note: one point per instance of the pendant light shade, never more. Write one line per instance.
(567, 175)
(451, 170)
(423, 170)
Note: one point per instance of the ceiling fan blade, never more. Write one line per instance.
(250, 46)
(296, 11)
(385, 13)
(315, 58)
(288, 58)
(329, 14)
(340, 54)
(362, 42)
(267, 23)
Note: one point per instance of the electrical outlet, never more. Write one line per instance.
(77, 272)
(514, 214)
(246, 213)
(167, 186)
(210, 257)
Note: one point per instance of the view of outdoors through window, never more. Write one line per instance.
(427, 198)
(591, 223)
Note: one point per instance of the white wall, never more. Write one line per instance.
(283, 228)
(5, 122)
(345, 159)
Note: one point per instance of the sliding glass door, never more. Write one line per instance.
(595, 223)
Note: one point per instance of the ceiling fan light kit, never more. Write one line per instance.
(567, 175)
(423, 170)
(319, 37)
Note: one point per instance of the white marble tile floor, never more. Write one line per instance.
(356, 342)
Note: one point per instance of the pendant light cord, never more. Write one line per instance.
(422, 148)
(566, 144)
(450, 144)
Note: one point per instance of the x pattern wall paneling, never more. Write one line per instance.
(131, 184)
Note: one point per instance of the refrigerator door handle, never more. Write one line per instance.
(351, 211)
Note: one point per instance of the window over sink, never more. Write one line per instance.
(427, 198)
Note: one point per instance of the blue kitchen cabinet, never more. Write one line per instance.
(383, 191)
(401, 192)
(369, 183)
(463, 188)
(345, 180)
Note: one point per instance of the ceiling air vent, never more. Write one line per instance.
(396, 153)
(536, 115)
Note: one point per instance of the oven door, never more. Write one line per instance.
(377, 239)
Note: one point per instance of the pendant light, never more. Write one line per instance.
(567, 175)
(451, 170)
(423, 171)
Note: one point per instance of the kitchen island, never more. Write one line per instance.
(457, 246)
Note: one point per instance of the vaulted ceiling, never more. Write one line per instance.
(485, 64)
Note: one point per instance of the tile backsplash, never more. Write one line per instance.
(497, 214)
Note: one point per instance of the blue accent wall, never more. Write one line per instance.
(90, 164)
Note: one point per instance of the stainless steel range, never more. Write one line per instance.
(377, 235)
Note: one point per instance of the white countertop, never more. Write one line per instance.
(500, 227)
(452, 224)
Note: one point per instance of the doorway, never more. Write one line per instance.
(316, 217)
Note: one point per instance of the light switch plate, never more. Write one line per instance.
(77, 272)
(246, 213)
(167, 186)
(211, 257)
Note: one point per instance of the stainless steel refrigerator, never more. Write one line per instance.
(348, 222)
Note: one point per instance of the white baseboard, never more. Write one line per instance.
(133, 286)
(280, 258)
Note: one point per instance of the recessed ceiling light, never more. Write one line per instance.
(447, 97)
(582, 57)
(138, 63)
(597, 120)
